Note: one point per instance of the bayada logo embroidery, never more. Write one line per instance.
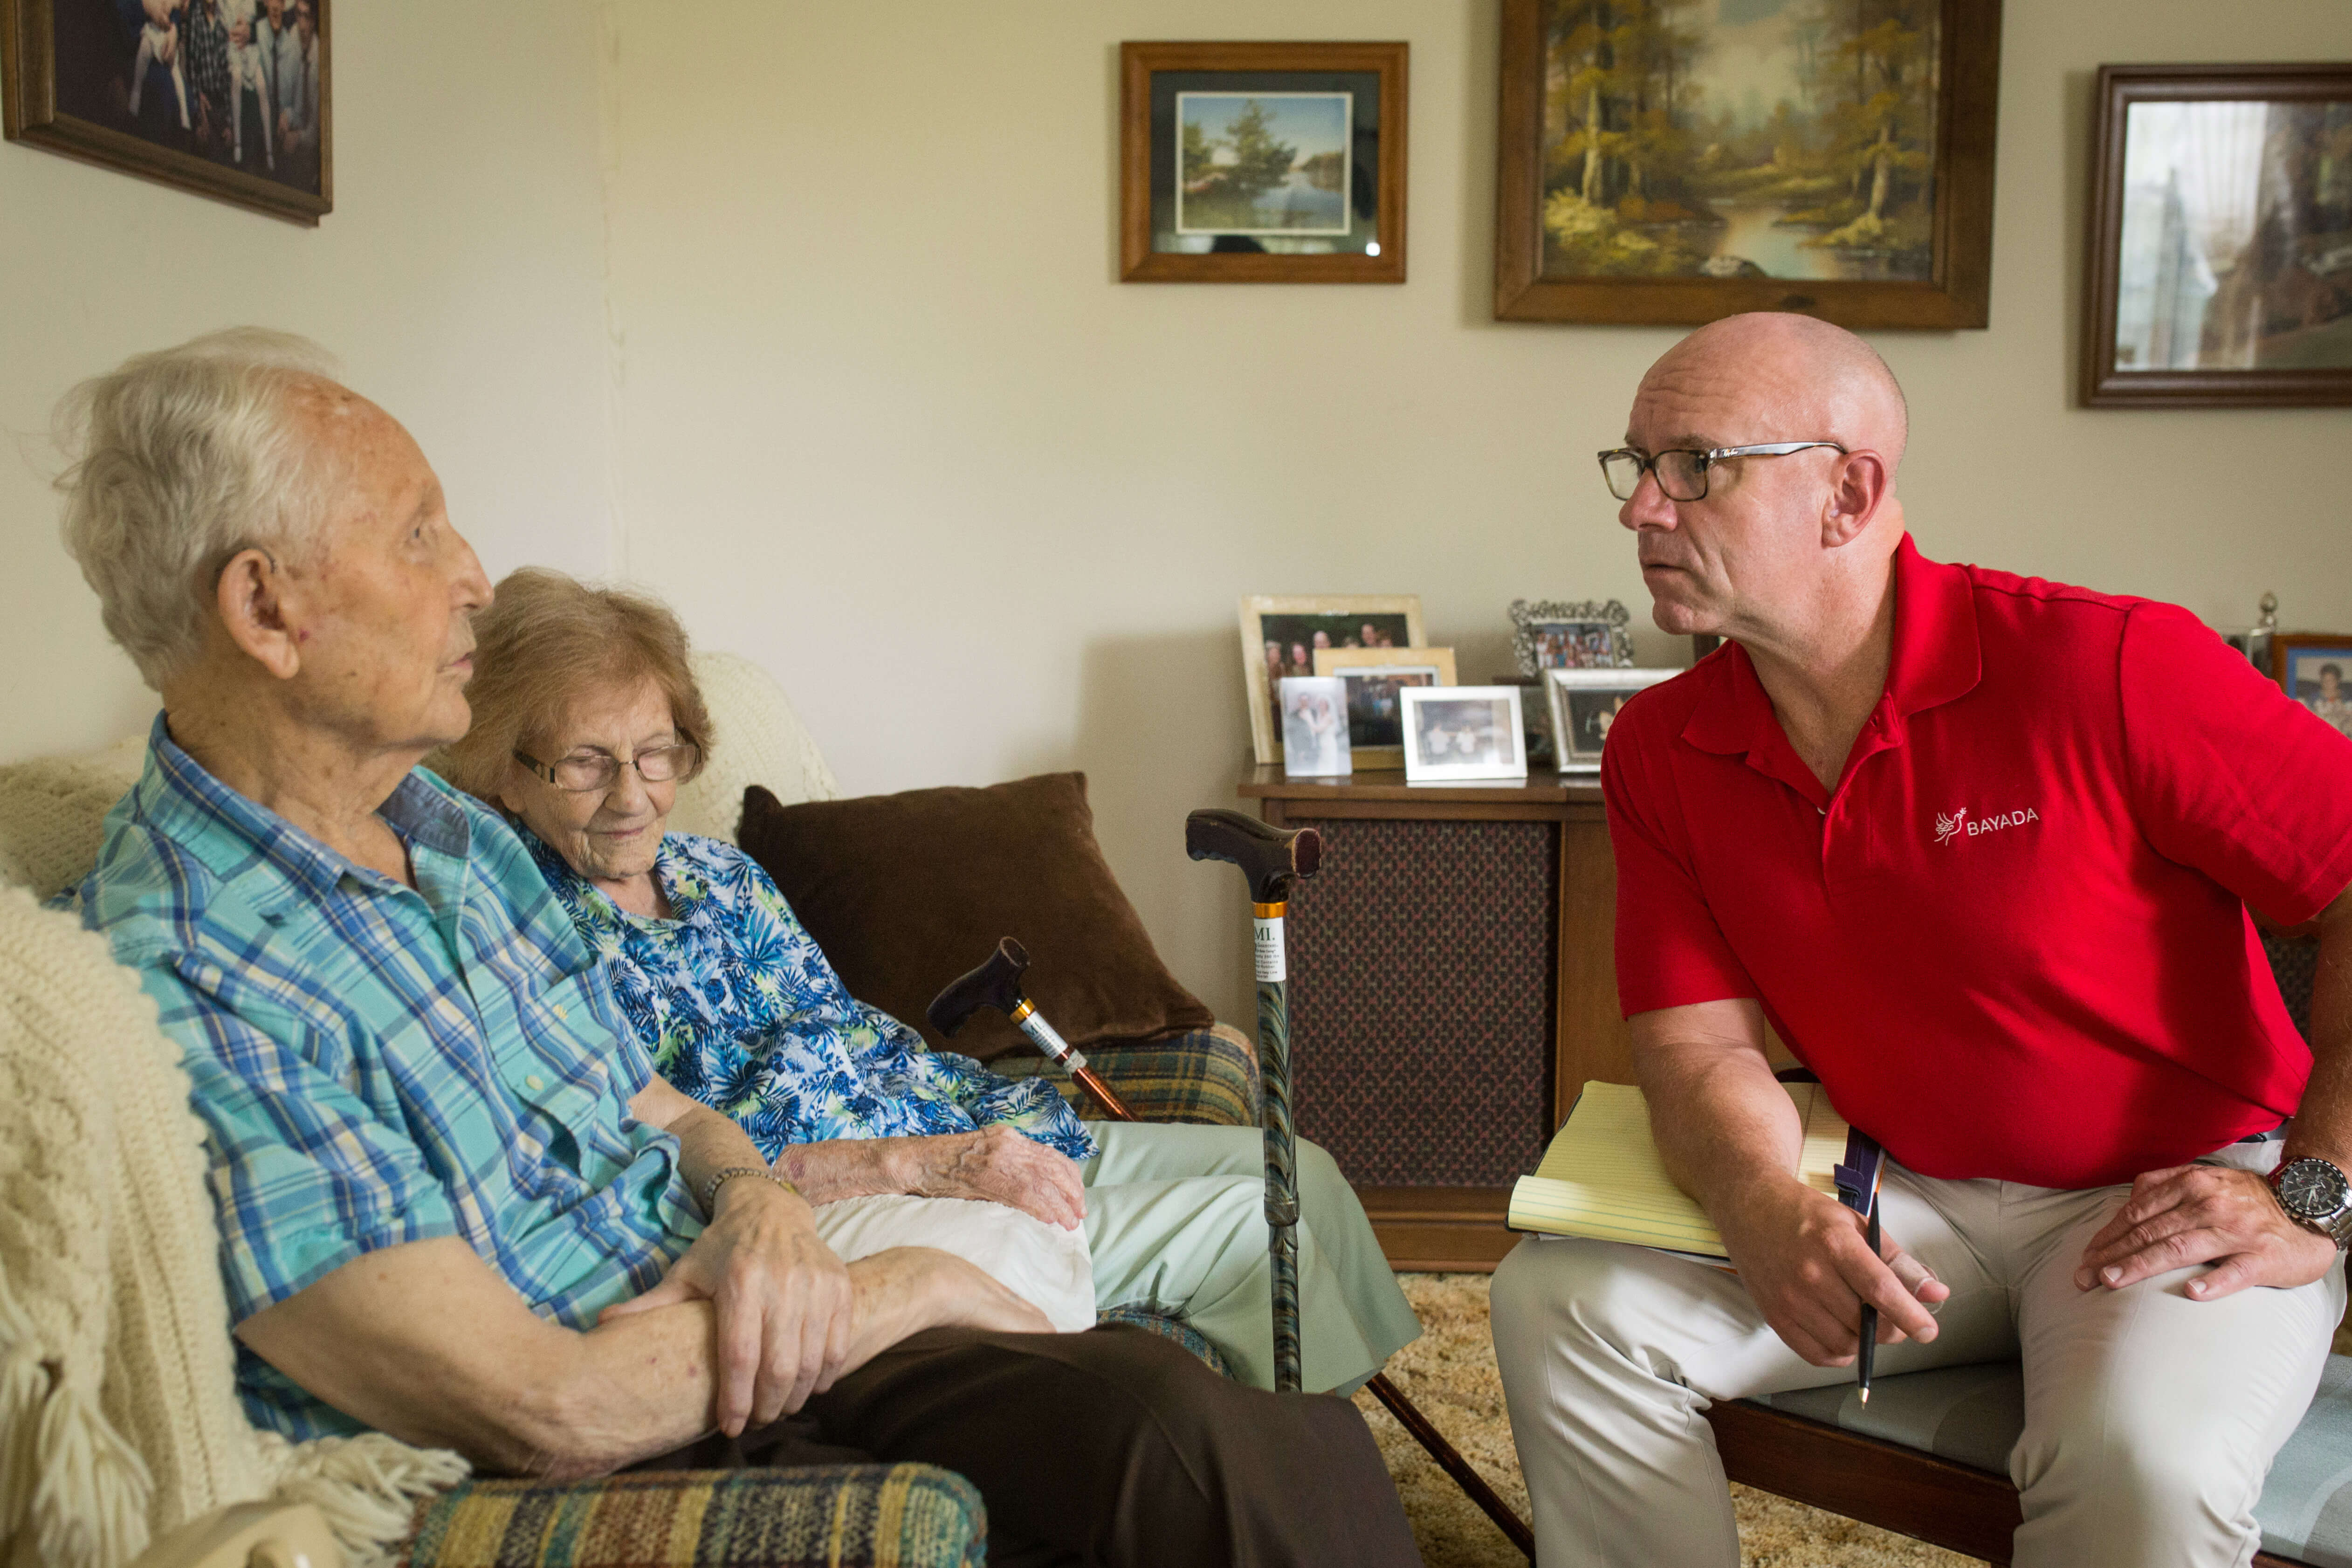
(1957, 825)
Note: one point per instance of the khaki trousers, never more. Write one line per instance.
(2150, 1418)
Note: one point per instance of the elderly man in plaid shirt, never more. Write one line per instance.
(455, 1203)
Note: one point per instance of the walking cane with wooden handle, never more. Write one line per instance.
(997, 983)
(1274, 860)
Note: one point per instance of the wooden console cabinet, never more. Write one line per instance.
(1452, 984)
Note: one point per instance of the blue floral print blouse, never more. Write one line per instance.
(741, 1010)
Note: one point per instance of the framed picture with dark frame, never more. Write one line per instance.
(1273, 162)
(2219, 254)
(228, 99)
(1834, 160)
(2315, 669)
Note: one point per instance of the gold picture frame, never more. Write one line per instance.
(1300, 625)
(1353, 665)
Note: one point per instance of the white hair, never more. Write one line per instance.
(181, 458)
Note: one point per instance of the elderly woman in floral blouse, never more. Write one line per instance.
(586, 720)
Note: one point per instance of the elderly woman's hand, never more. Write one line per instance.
(999, 1165)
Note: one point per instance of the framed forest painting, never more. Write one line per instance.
(1679, 161)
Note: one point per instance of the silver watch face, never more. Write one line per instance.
(2313, 1189)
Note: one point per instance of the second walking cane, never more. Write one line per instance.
(1273, 860)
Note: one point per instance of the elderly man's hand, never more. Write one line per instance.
(1805, 1258)
(999, 1165)
(2187, 1214)
(783, 1300)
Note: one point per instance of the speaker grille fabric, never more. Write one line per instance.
(1422, 975)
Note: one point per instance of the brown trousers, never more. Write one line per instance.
(1114, 1446)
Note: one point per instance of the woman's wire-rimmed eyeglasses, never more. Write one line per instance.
(580, 774)
(1682, 470)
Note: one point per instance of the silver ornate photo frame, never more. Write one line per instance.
(1558, 633)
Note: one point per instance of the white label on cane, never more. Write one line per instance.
(1270, 964)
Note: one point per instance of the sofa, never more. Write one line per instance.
(120, 1429)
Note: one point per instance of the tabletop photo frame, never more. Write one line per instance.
(2315, 669)
(1460, 734)
(1584, 704)
(1376, 680)
(1281, 634)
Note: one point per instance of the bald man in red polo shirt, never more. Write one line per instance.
(1981, 848)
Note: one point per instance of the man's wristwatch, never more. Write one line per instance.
(720, 1178)
(2316, 1195)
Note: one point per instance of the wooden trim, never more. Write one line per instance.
(1265, 781)
(1452, 1229)
(1958, 1506)
(1139, 263)
(1958, 295)
(29, 113)
(2119, 88)
(1953, 1506)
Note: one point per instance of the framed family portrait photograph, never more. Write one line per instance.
(1281, 633)
(1585, 703)
(1558, 633)
(2220, 251)
(1375, 679)
(1679, 163)
(1314, 727)
(1458, 733)
(228, 99)
(1262, 162)
(2315, 668)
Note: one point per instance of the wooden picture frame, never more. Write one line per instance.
(1955, 292)
(1296, 623)
(75, 111)
(2138, 251)
(1156, 243)
(1354, 664)
(2293, 654)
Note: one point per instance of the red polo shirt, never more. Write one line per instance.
(2013, 940)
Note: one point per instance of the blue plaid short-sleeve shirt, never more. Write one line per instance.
(377, 1064)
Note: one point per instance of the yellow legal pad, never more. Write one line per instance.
(1602, 1178)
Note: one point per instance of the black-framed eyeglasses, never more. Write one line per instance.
(662, 765)
(1682, 470)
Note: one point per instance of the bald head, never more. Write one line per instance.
(1781, 377)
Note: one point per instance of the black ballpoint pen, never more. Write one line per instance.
(1869, 1320)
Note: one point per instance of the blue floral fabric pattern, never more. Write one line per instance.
(740, 1009)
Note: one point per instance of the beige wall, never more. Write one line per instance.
(460, 278)
(891, 427)
(885, 421)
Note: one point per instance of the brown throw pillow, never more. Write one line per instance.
(905, 892)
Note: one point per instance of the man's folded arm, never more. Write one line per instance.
(426, 1341)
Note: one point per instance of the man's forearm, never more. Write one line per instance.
(1721, 1122)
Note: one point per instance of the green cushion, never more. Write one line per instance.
(819, 1516)
(1972, 1415)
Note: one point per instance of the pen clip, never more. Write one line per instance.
(1857, 1177)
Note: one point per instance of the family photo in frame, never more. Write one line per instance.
(1584, 704)
(1281, 635)
(1462, 733)
(227, 99)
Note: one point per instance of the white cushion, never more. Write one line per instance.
(758, 740)
(53, 812)
(1045, 1265)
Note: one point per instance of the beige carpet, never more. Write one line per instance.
(1450, 1373)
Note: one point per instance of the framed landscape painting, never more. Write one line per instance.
(1249, 162)
(1680, 161)
(2219, 254)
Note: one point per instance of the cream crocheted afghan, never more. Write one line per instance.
(118, 1417)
